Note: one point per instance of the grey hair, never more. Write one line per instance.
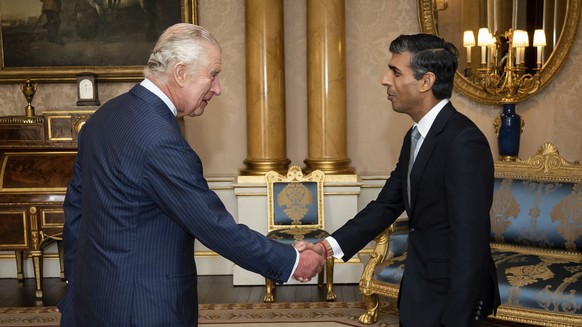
(181, 42)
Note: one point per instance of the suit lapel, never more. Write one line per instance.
(427, 148)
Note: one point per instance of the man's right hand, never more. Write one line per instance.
(310, 264)
(302, 246)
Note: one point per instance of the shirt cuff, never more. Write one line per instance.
(295, 266)
(337, 250)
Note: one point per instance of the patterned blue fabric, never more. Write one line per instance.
(390, 271)
(538, 214)
(295, 201)
(539, 282)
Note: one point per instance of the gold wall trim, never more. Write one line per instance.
(341, 193)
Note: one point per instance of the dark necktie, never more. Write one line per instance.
(414, 136)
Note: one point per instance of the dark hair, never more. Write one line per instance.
(430, 53)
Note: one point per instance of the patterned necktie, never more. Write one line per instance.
(414, 136)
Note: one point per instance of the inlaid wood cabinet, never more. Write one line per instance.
(37, 154)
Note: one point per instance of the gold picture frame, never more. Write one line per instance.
(117, 52)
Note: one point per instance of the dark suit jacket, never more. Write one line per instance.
(135, 204)
(448, 269)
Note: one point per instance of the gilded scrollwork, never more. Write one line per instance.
(548, 159)
(546, 164)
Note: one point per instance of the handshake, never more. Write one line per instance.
(311, 260)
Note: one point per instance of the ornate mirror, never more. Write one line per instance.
(497, 66)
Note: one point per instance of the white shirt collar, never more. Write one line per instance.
(426, 122)
(150, 86)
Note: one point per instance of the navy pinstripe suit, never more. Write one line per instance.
(136, 202)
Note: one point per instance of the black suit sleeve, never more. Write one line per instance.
(375, 217)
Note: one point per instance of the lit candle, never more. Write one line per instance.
(468, 42)
(492, 48)
(520, 41)
(483, 40)
(539, 41)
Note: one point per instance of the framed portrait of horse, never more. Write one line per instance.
(53, 40)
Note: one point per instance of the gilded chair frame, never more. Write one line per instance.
(295, 175)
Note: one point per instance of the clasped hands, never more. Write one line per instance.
(311, 260)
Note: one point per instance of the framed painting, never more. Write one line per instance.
(53, 40)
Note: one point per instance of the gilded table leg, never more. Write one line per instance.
(19, 261)
(37, 263)
(61, 259)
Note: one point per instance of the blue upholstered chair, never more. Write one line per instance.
(295, 213)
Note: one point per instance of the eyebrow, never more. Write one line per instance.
(394, 68)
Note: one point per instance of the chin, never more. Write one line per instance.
(197, 112)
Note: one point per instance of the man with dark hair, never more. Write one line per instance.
(444, 182)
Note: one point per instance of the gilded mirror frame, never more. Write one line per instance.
(428, 23)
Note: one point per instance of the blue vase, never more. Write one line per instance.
(509, 133)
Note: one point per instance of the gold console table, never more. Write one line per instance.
(37, 154)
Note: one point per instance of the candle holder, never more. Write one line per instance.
(29, 90)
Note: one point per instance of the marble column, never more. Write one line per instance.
(265, 78)
(326, 87)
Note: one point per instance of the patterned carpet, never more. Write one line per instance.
(307, 314)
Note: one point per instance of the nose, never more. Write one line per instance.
(215, 86)
(386, 79)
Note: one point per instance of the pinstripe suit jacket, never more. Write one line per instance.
(135, 204)
(448, 269)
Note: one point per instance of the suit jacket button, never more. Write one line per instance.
(412, 230)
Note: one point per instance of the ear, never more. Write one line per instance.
(426, 82)
(180, 73)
